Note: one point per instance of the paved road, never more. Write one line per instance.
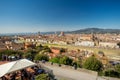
(69, 74)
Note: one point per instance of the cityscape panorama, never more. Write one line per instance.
(59, 40)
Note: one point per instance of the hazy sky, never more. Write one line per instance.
(57, 15)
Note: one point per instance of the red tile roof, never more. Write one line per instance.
(3, 62)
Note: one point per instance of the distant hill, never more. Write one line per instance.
(81, 31)
(95, 30)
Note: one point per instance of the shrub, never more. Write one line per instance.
(92, 63)
(77, 63)
(55, 60)
(42, 77)
(41, 57)
(111, 73)
(66, 60)
(117, 68)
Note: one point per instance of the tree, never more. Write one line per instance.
(30, 54)
(39, 47)
(43, 48)
(66, 60)
(92, 63)
(10, 52)
(41, 57)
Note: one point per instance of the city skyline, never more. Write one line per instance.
(58, 15)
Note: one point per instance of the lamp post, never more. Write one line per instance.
(97, 76)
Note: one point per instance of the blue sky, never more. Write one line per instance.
(58, 15)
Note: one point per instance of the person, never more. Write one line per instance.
(9, 58)
(75, 66)
(24, 75)
(29, 75)
(32, 76)
(51, 63)
(43, 61)
(13, 76)
(4, 78)
(59, 65)
(18, 74)
(2, 57)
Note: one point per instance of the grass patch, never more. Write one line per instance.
(108, 52)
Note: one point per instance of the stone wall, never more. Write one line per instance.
(81, 70)
(72, 68)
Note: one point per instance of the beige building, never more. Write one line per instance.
(108, 44)
(85, 43)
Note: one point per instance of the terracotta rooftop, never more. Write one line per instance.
(3, 62)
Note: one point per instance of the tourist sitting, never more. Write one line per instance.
(24, 75)
(13, 76)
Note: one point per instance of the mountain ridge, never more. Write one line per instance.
(96, 30)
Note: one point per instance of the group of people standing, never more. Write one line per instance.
(23, 74)
(10, 58)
